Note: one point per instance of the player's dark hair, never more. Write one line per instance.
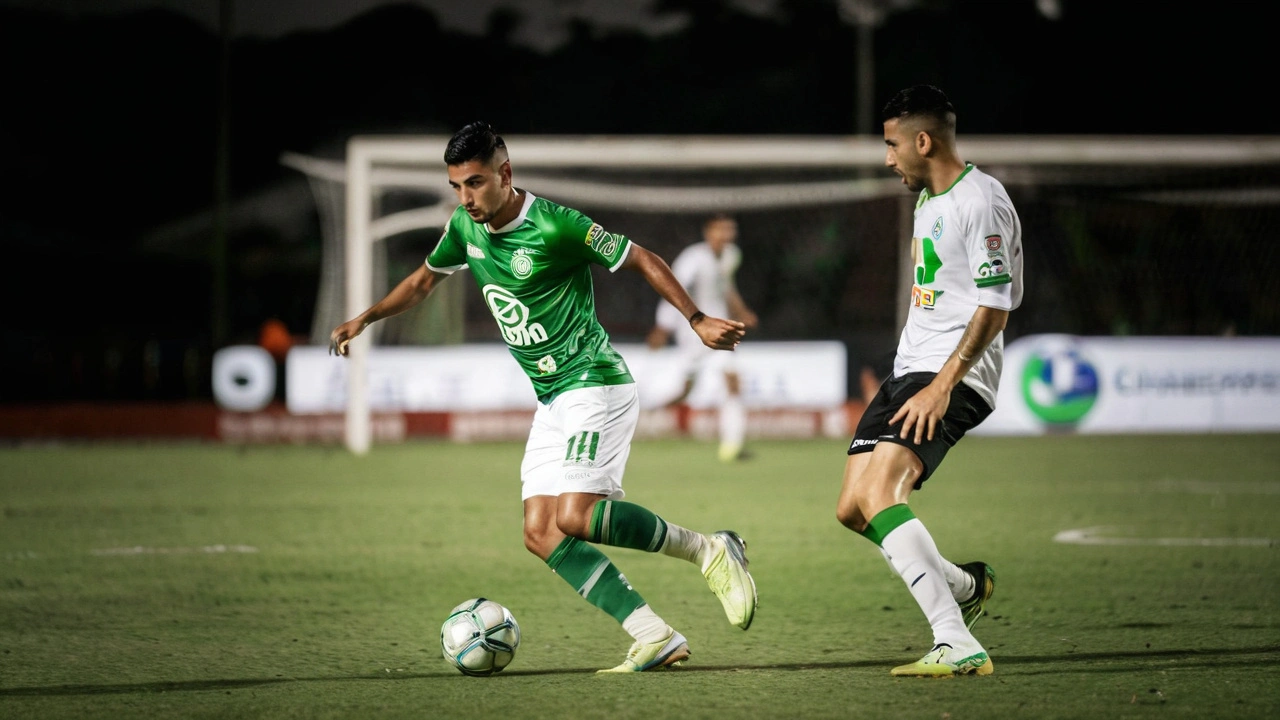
(921, 101)
(717, 217)
(475, 141)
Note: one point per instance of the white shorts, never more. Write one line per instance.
(580, 442)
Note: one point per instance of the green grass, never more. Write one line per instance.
(336, 571)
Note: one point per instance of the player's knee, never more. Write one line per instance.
(573, 526)
(851, 517)
(541, 541)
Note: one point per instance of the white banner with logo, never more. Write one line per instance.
(486, 377)
(1063, 383)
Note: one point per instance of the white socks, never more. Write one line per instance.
(961, 583)
(733, 424)
(645, 626)
(686, 545)
(913, 554)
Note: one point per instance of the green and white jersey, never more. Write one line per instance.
(535, 276)
(967, 248)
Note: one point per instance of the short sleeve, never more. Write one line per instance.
(450, 253)
(574, 234)
(992, 228)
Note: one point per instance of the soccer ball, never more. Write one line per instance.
(479, 637)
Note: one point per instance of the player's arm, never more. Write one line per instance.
(411, 291)
(922, 412)
(717, 333)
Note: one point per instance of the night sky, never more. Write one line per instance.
(114, 107)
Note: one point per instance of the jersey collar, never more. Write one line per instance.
(515, 222)
(967, 168)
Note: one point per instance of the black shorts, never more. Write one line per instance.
(966, 410)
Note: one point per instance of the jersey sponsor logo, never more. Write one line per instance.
(513, 317)
(924, 298)
(991, 269)
(994, 243)
(521, 264)
(594, 233)
(602, 242)
(474, 251)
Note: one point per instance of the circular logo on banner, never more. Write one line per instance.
(1059, 385)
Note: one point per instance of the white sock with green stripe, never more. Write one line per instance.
(915, 557)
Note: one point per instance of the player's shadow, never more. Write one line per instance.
(1097, 662)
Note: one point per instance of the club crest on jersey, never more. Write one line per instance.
(937, 228)
(513, 317)
(602, 242)
(521, 264)
(924, 298)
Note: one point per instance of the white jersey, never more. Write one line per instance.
(967, 248)
(708, 279)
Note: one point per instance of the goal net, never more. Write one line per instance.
(1123, 235)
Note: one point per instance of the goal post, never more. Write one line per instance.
(656, 174)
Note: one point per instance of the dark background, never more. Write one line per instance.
(141, 150)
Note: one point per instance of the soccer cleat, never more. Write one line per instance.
(653, 656)
(941, 662)
(730, 452)
(984, 584)
(729, 580)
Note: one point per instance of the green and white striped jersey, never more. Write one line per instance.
(967, 248)
(535, 276)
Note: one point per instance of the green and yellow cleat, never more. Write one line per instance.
(941, 662)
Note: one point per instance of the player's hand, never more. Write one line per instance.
(340, 338)
(718, 333)
(922, 413)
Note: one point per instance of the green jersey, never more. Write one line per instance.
(535, 276)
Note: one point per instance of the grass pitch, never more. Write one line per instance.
(1138, 577)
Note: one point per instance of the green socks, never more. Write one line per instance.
(594, 577)
(624, 524)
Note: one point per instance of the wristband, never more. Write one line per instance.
(694, 318)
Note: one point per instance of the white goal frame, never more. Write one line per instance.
(378, 163)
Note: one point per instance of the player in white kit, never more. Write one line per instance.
(707, 269)
(967, 251)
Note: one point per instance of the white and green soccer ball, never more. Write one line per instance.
(479, 637)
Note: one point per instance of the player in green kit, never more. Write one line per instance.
(532, 261)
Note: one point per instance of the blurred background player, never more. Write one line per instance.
(707, 269)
